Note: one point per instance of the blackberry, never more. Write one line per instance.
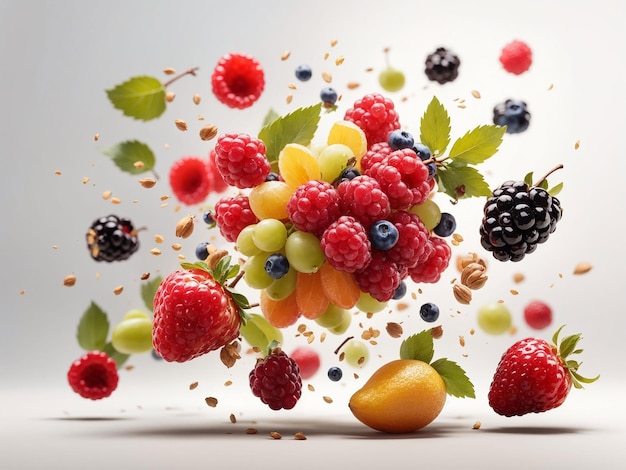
(513, 114)
(276, 380)
(112, 238)
(442, 66)
(516, 218)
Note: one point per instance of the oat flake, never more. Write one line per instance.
(193, 386)
(211, 401)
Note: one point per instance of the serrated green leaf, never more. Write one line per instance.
(455, 378)
(270, 117)
(568, 345)
(477, 145)
(555, 190)
(435, 127)
(118, 357)
(148, 290)
(458, 181)
(126, 154)
(418, 347)
(93, 328)
(139, 97)
(297, 127)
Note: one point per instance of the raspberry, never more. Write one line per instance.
(314, 206)
(516, 57)
(238, 80)
(442, 66)
(380, 278)
(412, 240)
(538, 314)
(217, 181)
(362, 198)
(376, 116)
(403, 177)
(190, 180)
(276, 380)
(516, 219)
(93, 376)
(112, 238)
(429, 269)
(241, 160)
(346, 245)
(232, 215)
(375, 154)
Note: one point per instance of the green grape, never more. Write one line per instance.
(304, 252)
(494, 318)
(245, 242)
(391, 79)
(136, 313)
(356, 353)
(260, 333)
(254, 272)
(429, 212)
(333, 316)
(269, 235)
(369, 304)
(132, 336)
(333, 160)
(342, 327)
(283, 287)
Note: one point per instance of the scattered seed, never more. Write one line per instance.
(145, 276)
(169, 71)
(476, 94)
(180, 124)
(577, 145)
(147, 182)
(311, 388)
(193, 386)
(22, 292)
(275, 435)
(394, 329)
(289, 98)
(116, 200)
(476, 425)
(333, 42)
(129, 368)
(118, 290)
(550, 86)
(208, 132)
(196, 99)
(339, 60)
(401, 306)
(326, 55)
(462, 106)
(185, 226)
(301, 328)
(436, 332)
(582, 268)
(285, 55)
(514, 292)
(96, 137)
(177, 247)
(233, 418)
(462, 340)
(57, 172)
(353, 85)
(69, 280)
(328, 399)
(170, 96)
(85, 180)
(292, 86)
(327, 77)
(211, 401)
(322, 336)
(228, 383)
(252, 431)
(299, 436)
(139, 165)
(155, 251)
(518, 277)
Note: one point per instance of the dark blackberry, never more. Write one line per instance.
(516, 218)
(442, 66)
(112, 238)
(513, 114)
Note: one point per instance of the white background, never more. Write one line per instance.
(59, 57)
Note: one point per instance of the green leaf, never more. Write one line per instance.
(455, 378)
(297, 127)
(458, 180)
(555, 189)
(126, 154)
(93, 328)
(148, 290)
(435, 127)
(568, 345)
(418, 347)
(477, 145)
(528, 179)
(139, 97)
(270, 117)
(118, 357)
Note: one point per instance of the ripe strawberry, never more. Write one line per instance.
(195, 313)
(534, 376)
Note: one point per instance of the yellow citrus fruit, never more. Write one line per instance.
(401, 396)
(297, 165)
(351, 135)
(269, 200)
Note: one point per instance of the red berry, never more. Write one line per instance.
(376, 116)
(362, 198)
(380, 278)
(276, 380)
(375, 154)
(314, 206)
(413, 237)
(238, 80)
(516, 57)
(190, 180)
(217, 181)
(435, 261)
(193, 315)
(538, 314)
(93, 376)
(346, 245)
(308, 361)
(241, 160)
(232, 215)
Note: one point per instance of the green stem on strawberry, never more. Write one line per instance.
(567, 347)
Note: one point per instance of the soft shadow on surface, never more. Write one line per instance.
(87, 418)
(537, 430)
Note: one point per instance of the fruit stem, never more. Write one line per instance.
(191, 71)
(236, 280)
(343, 342)
(544, 177)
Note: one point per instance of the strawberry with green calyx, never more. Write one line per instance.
(534, 376)
(196, 312)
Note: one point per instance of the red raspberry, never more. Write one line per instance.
(93, 376)
(193, 315)
(380, 278)
(538, 314)
(314, 206)
(362, 198)
(308, 361)
(238, 80)
(429, 269)
(232, 215)
(516, 57)
(217, 181)
(346, 244)
(376, 153)
(376, 115)
(190, 180)
(412, 239)
(276, 380)
(241, 160)
(403, 177)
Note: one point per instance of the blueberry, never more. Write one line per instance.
(208, 218)
(513, 114)
(329, 96)
(156, 356)
(400, 291)
(303, 73)
(335, 374)
(272, 176)
(276, 265)
(399, 139)
(429, 312)
(432, 170)
(201, 251)
(348, 174)
(446, 226)
(422, 151)
(383, 235)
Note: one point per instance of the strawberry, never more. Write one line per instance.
(195, 312)
(535, 376)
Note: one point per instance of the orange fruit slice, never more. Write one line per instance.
(297, 165)
(312, 302)
(280, 313)
(339, 286)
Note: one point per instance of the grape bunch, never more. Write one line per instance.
(517, 218)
